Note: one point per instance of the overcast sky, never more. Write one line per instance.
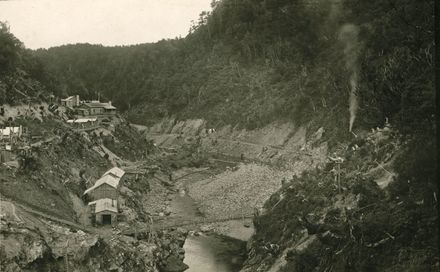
(46, 23)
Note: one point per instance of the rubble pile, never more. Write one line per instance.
(223, 196)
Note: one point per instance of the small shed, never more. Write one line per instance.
(71, 101)
(105, 211)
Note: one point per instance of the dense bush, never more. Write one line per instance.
(252, 62)
(20, 71)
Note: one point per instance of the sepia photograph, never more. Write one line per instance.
(218, 136)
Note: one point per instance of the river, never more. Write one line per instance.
(214, 253)
(221, 251)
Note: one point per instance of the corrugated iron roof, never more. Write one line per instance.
(106, 179)
(116, 171)
(106, 204)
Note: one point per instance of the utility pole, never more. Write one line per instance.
(66, 256)
(339, 175)
(338, 161)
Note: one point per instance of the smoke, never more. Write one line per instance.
(353, 99)
(348, 35)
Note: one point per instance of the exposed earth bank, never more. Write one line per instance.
(312, 207)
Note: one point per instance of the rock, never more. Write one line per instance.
(173, 264)
(181, 231)
(166, 242)
(114, 267)
(161, 214)
(205, 228)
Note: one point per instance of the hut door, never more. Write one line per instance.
(106, 219)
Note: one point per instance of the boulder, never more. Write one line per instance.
(206, 228)
(173, 264)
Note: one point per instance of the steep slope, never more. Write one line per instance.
(365, 214)
(22, 77)
(267, 75)
(44, 217)
(376, 210)
(270, 60)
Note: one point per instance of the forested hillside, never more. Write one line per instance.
(21, 73)
(250, 62)
(300, 76)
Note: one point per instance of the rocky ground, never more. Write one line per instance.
(361, 222)
(238, 191)
(181, 181)
(30, 243)
(44, 222)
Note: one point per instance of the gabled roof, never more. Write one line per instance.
(115, 171)
(106, 179)
(68, 98)
(105, 204)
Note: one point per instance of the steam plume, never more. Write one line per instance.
(353, 99)
(348, 34)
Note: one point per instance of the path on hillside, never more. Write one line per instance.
(214, 138)
(52, 218)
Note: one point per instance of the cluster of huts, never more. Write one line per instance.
(13, 141)
(88, 108)
(8, 137)
(103, 196)
(88, 113)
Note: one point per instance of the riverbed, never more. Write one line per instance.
(214, 253)
(223, 249)
(222, 245)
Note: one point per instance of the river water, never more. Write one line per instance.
(214, 253)
(211, 252)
